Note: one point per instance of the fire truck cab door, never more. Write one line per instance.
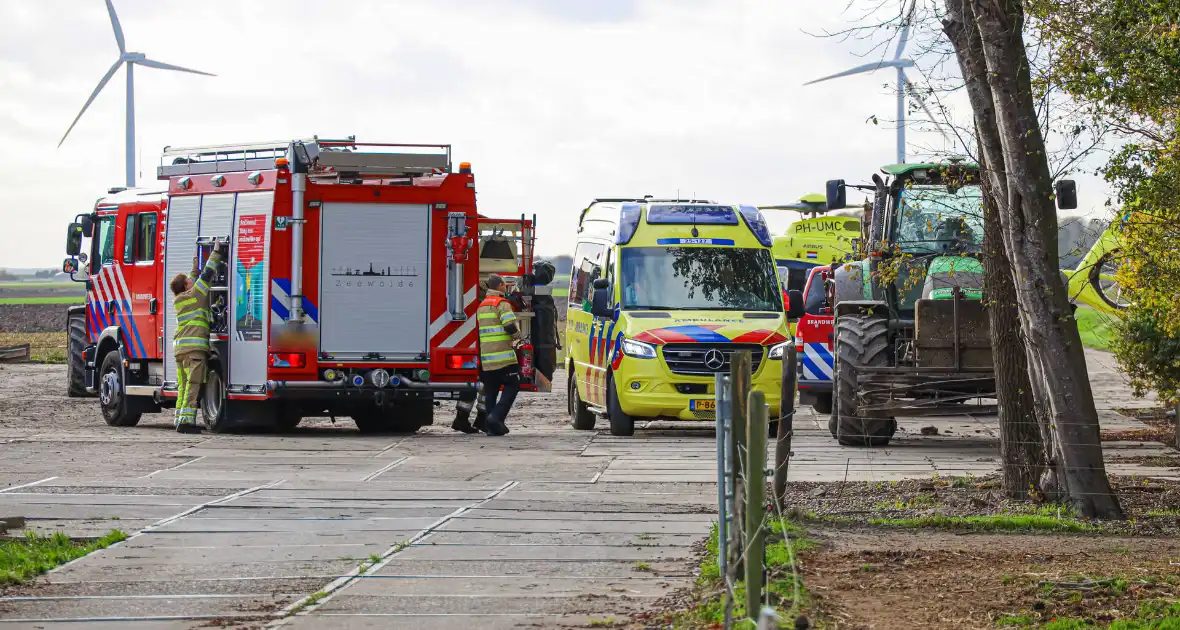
(137, 273)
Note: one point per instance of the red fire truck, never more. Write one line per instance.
(350, 288)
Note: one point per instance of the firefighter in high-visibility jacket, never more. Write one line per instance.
(191, 342)
(498, 368)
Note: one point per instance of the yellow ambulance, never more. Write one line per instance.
(662, 292)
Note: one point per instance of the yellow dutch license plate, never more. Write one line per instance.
(702, 405)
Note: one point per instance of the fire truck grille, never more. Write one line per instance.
(703, 359)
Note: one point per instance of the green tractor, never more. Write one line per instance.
(911, 334)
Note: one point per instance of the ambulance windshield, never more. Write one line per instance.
(699, 278)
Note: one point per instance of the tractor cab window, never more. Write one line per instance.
(939, 220)
(104, 243)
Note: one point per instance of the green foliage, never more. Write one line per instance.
(1120, 59)
(45, 299)
(1148, 353)
(1097, 329)
(24, 559)
(1042, 519)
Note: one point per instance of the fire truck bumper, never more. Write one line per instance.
(340, 389)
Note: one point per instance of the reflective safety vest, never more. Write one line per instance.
(192, 310)
(495, 343)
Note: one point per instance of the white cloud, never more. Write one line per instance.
(554, 103)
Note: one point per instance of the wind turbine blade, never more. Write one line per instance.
(110, 73)
(115, 25)
(904, 37)
(167, 66)
(868, 67)
(921, 102)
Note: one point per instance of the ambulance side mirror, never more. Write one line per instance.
(74, 239)
(795, 304)
(600, 305)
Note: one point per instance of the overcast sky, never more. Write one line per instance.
(554, 102)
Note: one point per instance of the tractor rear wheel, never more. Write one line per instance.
(76, 323)
(860, 340)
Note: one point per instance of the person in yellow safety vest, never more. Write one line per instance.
(191, 342)
(498, 335)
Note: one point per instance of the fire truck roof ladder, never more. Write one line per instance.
(344, 159)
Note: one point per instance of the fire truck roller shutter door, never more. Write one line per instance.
(183, 216)
(374, 280)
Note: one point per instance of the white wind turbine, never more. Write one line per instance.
(902, 81)
(131, 59)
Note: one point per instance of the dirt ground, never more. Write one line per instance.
(873, 578)
(16, 318)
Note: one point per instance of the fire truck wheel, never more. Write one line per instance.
(583, 419)
(860, 340)
(823, 403)
(289, 417)
(112, 396)
(621, 424)
(76, 387)
(213, 401)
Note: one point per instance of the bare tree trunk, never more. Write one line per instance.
(1057, 361)
(1021, 448)
(1022, 428)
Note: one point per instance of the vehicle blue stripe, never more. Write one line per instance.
(279, 308)
(699, 334)
(810, 366)
(124, 327)
(134, 329)
(694, 241)
(99, 316)
(308, 308)
(821, 350)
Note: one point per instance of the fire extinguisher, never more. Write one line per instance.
(524, 355)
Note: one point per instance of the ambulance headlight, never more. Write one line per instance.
(777, 352)
(638, 349)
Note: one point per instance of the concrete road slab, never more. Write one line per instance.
(145, 556)
(589, 527)
(641, 539)
(209, 525)
(537, 568)
(372, 493)
(251, 501)
(497, 512)
(228, 586)
(477, 605)
(297, 511)
(89, 571)
(518, 586)
(121, 624)
(229, 540)
(554, 553)
(102, 607)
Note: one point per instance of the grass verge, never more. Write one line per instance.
(783, 544)
(24, 559)
(1039, 521)
(1096, 329)
(46, 347)
(47, 299)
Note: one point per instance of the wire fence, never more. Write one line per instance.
(743, 427)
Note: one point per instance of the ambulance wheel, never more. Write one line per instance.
(583, 419)
(823, 403)
(116, 409)
(860, 340)
(76, 323)
(213, 401)
(621, 424)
